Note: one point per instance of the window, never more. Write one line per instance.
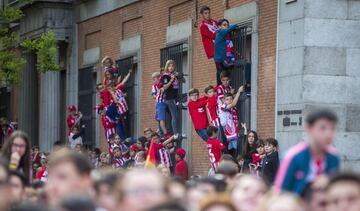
(241, 75)
(132, 91)
(179, 54)
(87, 101)
(4, 103)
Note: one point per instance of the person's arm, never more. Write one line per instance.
(201, 102)
(204, 30)
(126, 78)
(166, 86)
(168, 141)
(236, 98)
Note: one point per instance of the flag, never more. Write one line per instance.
(150, 158)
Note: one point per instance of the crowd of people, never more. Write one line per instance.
(151, 172)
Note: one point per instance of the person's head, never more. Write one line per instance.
(248, 192)
(100, 87)
(78, 148)
(225, 78)
(141, 142)
(141, 189)
(228, 98)
(140, 157)
(321, 127)
(281, 202)
(5, 188)
(314, 195)
(193, 94)
(107, 61)
(43, 160)
(223, 23)
(72, 109)
(343, 192)
(205, 12)
(211, 131)
(112, 139)
(108, 75)
(229, 169)
(155, 76)
(69, 174)
(147, 133)
(106, 196)
(19, 143)
(270, 145)
(164, 170)
(105, 158)
(155, 138)
(209, 91)
(180, 154)
(117, 139)
(17, 183)
(217, 202)
(3, 123)
(170, 66)
(133, 150)
(260, 147)
(35, 149)
(75, 130)
(252, 138)
(117, 152)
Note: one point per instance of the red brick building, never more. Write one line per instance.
(139, 29)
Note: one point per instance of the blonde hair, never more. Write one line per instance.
(104, 60)
(168, 63)
(155, 75)
(215, 200)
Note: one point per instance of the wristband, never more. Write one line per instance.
(12, 166)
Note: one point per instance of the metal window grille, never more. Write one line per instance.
(4, 102)
(86, 99)
(130, 88)
(241, 75)
(176, 53)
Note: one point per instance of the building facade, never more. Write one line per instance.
(300, 53)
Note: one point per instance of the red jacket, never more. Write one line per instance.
(198, 114)
(181, 169)
(208, 34)
(212, 106)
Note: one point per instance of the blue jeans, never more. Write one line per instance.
(203, 134)
(171, 105)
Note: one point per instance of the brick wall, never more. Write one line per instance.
(152, 17)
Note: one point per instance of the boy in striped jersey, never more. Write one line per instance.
(162, 154)
(160, 106)
(108, 124)
(118, 161)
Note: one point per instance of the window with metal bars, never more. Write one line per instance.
(241, 75)
(178, 53)
(87, 100)
(4, 103)
(130, 88)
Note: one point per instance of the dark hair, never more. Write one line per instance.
(142, 140)
(228, 168)
(248, 150)
(222, 21)
(155, 134)
(193, 91)
(271, 141)
(204, 8)
(211, 130)
(260, 143)
(58, 143)
(97, 86)
(172, 205)
(208, 88)
(315, 115)
(81, 162)
(21, 176)
(224, 74)
(97, 151)
(25, 161)
(108, 179)
(112, 136)
(228, 94)
(344, 177)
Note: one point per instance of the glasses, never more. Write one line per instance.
(19, 145)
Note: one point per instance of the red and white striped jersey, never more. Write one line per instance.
(230, 122)
(118, 162)
(221, 90)
(165, 157)
(120, 100)
(158, 94)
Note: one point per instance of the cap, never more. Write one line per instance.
(181, 152)
(72, 108)
(134, 147)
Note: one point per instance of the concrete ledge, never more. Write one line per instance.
(241, 13)
(178, 32)
(130, 45)
(91, 56)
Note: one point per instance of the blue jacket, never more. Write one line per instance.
(220, 43)
(295, 171)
